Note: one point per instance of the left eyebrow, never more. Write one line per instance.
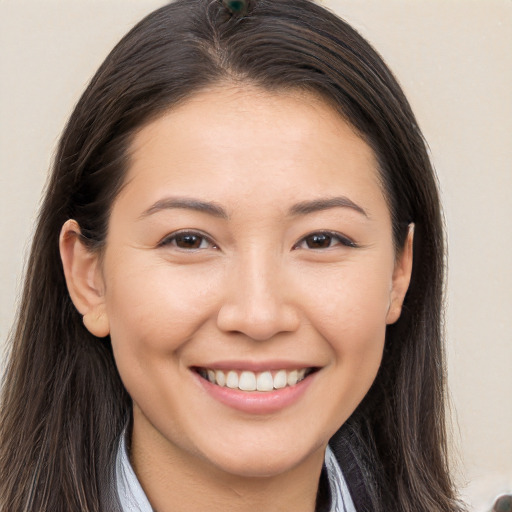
(316, 205)
(186, 203)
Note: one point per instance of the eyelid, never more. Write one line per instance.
(342, 239)
(167, 239)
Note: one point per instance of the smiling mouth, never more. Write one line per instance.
(255, 381)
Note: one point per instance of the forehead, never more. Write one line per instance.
(236, 142)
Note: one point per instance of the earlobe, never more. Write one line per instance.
(401, 278)
(96, 322)
(83, 278)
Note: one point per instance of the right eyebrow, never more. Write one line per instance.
(186, 203)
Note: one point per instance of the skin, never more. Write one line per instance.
(258, 288)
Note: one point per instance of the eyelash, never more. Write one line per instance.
(332, 236)
(329, 236)
(173, 238)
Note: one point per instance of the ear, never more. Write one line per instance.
(83, 278)
(401, 278)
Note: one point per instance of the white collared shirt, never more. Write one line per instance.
(133, 499)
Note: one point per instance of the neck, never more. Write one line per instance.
(176, 481)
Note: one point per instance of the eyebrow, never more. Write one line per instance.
(214, 209)
(316, 205)
(186, 203)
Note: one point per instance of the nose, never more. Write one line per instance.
(258, 303)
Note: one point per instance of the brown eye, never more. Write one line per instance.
(319, 241)
(187, 241)
(324, 240)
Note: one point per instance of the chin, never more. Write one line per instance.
(257, 466)
(263, 462)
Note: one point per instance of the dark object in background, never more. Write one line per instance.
(503, 503)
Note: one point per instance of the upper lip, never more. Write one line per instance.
(256, 366)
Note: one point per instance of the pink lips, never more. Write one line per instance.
(255, 402)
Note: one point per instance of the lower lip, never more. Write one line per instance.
(257, 402)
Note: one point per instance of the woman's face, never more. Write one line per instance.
(251, 246)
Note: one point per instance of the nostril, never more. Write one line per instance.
(257, 323)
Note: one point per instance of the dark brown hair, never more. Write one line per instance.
(63, 405)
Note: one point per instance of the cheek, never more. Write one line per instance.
(351, 304)
(153, 313)
(350, 314)
(353, 323)
(159, 307)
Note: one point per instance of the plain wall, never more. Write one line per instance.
(454, 60)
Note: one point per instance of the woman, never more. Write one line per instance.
(235, 282)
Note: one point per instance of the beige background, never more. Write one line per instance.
(454, 59)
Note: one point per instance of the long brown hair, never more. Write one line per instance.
(63, 405)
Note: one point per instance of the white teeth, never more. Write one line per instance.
(265, 382)
(280, 379)
(250, 381)
(220, 377)
(292, 378)
(247, 381)
(232, 380)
